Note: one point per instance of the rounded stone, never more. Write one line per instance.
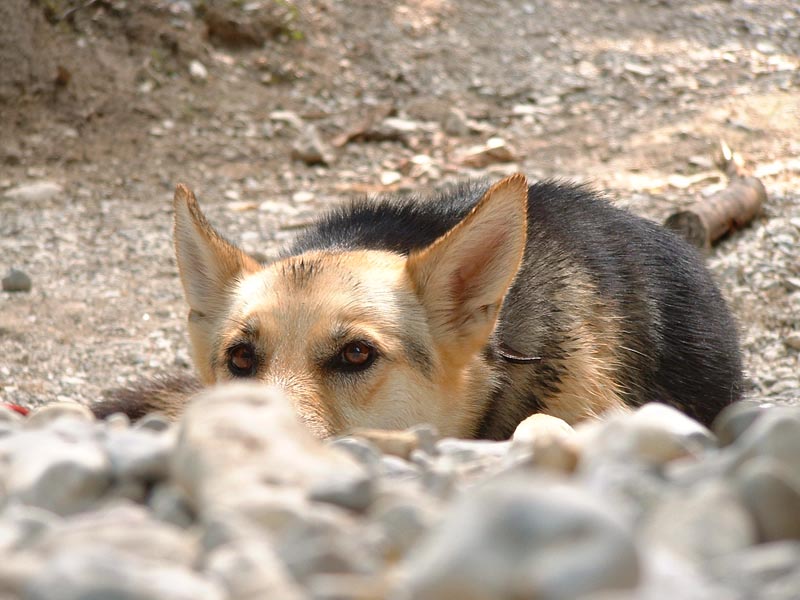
(17, 281)
(772, 497)
(98, 573)
(249, 569)
(58, 410)
(61, 475)
(523, 537)
(734, 420)
(699, 523)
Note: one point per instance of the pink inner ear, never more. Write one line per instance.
(472, 271)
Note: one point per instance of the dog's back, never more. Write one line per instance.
(606, 305)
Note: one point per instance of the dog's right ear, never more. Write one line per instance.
(208, 264)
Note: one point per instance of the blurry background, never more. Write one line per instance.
(274, 110)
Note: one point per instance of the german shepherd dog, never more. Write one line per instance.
(471, 310)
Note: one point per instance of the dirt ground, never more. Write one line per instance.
(274, 110)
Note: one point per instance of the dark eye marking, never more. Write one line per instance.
(354, 357)
(242, 360)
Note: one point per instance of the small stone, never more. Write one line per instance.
(169, 504)
(775, 434)
(17, 281)
(309, 551)
(390, 177)
(793, 340)
(57, 410)
(703, 522)
(734, 420)
(37, 191)
(654, 434)
(362, 450)
(766, 571)
(772, 497)
(153, 422)
(198, 71)
(302, 197)
(249, 569)
(124, 527)
(455, 123)
(54, 472)
(139, 454)
(308, 148)
(100, 572)
(523, 537)
(403, 523)
(395, 468)
(354, 494)
(288, 117)
(347, 586)
(496, 150)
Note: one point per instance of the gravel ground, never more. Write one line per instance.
(237, 501)
(372, 96)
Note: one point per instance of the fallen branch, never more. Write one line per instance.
(707, 220)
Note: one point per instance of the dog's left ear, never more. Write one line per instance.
(208, 264)
(463, 277)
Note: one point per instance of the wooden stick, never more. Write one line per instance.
(705, 221)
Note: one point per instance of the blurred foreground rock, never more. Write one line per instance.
(239, 501)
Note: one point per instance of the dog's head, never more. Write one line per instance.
(361, 338)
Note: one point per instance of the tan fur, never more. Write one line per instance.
(298, 312)
(589, 387)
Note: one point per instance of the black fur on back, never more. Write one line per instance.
(679, 339)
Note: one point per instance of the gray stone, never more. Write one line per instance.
(347, 586)
(153, 422)
(734, 420)
(362, 450)
(16, 570)
(127, 528)
(57, 410)
(466, 451)
(311, 550)
(250, 570)
(403, 523)
(522, 537)
(455, 123)
(396, 468)
(654, 434)
(21, 526)
(308, 148)
(352, 493)
(36, 191)
(101, 573)
(699, 523)
(773, 498)
(17, 281)
(139, 454)
(775, 434)
(169, 504)
(55, 472)
(763, 571)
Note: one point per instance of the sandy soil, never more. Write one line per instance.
(115, 102)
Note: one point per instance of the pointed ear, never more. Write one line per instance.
(462, 278)
(208, 264)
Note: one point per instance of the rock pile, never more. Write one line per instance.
(238, 501)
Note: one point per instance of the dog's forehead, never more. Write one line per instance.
(324, 281)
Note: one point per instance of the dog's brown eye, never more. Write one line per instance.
(355, 356)
(242, 360)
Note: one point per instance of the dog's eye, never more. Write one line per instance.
(242, 360)
(356, 356)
